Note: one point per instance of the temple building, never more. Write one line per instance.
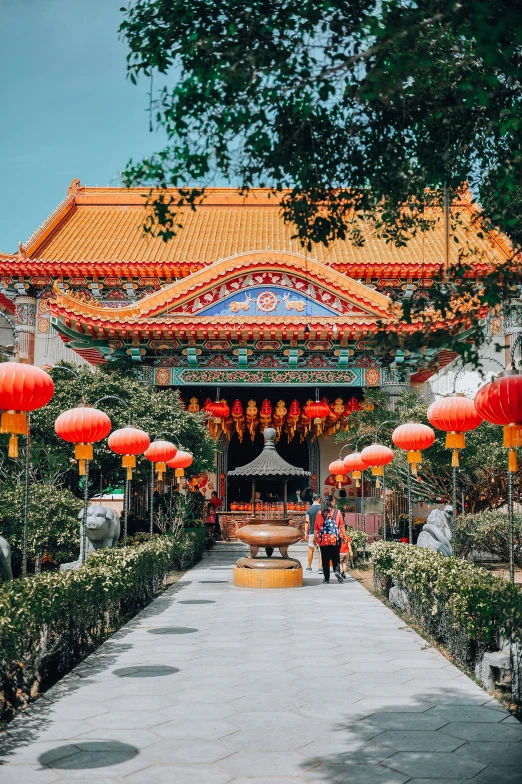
(231, 307)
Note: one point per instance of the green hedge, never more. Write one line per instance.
(51, 621)
(465, 607)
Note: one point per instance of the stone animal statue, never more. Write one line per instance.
(103, 526)
(6, 573)
(436, 533)
(103, 530)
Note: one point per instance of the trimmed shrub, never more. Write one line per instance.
(487, 532)
(464, 607)
(49, 622)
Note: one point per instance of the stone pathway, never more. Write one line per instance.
(212, 684)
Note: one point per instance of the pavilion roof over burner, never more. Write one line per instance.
(269, 464)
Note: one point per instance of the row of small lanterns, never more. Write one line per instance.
(25, 388)
(498, 402)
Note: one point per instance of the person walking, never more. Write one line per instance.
(328, 534)
(311, 513)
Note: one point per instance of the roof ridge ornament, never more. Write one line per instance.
(74, 187)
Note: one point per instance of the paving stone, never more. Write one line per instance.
(27, 774)
(180, 774)
(434, 765)
(405, 721)
(205, 729)
(494, 753)
(328, 773)
(270, 739)
(499, 775)
(266, 763)
(478, 732)
(419, 740)
(129, 720)
(186, 751)
(461, 713)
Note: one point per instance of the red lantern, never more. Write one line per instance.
(355, 465)
(180, 461)
(338, 470)
(219, 410)
(160, 452)
(413, 437)
(128, 442)
(317, 411)
(500, 402)
(456, 415)
(376, 456)
(22, 388)
(83, 426)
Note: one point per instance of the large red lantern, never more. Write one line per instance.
(355, 465)
(180, 461)
(128, 442)
(338, 470)
(413, 437)
(317, 411)
(376, 456)
(456, 415)
(218, 410)
(159, 453)
(500, 402)
(83, 426)
(23, 388)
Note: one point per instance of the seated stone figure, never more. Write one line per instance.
(436, 533)
(5, 560)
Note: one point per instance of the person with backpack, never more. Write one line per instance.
(328, 534)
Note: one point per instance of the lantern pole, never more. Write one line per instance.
(363, 505)
(454, 516)
(127, 483)
(410, 508)
(83, 544)
(384, 535)
(510, 526)
(151, 498)
(26, 493)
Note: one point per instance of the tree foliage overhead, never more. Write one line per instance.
(365, 111)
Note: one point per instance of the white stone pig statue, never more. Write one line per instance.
(6, 572)
(103, 527)
(103, 530)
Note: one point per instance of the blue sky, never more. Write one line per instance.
(66, 107)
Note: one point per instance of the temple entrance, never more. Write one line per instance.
(239, 454)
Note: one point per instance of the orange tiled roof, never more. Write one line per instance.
(105, 225)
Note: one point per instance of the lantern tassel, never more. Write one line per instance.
(128, 461)
(455, 441)
(455, 459)
(414, 457)
(14, 422)
(377, 483)
(160, 470)
(12, 450)
(129, 474)
(377, 471)
(179, 472)
(512, 461)
(512, 436)
(81, 467)
(83, 451)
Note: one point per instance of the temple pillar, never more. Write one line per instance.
(25, 328)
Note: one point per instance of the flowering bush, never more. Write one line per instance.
(359, 542)
(51, 621)
(488, 532)
(460, 604)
